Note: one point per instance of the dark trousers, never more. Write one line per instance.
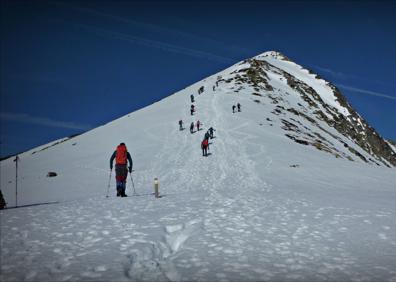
(121, 176)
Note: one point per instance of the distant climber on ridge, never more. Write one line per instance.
(210, 130)
(121, 155)
(207, 135)
(192, 110)
(239, 107)
(192, 127)
(198, 125)
(233, 108)
(192, 98)
(180, 125)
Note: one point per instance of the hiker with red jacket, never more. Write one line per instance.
(121, 155)
(205, 147)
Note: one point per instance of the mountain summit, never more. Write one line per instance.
(310, 108)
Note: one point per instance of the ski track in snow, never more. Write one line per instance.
(220, 222)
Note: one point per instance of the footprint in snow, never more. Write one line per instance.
(178, 234)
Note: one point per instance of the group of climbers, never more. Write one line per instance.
(123, 157)
(238, 106)
(205, 141)
(192, 125)
(198, 124)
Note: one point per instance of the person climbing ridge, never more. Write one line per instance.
(198, 125)
(121, 155)
(192, 127)
(210, 130)
(180, 125)
(239, 107)
(192, 98)
(205, 147)
(233, 108)
(207, 135)
(192, 109)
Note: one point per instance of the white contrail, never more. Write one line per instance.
(155, 28)
(26, 118)
(155, 44)
(334, 73)
(368, 92)
(161, 45)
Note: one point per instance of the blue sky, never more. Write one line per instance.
(69, 66)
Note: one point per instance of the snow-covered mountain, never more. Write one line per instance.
(314, 103)
(297, 187)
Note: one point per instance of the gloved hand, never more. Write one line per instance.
(130, 169)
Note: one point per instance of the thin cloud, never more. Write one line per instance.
(345, 76)
(156, 44)
(43, 121)
(160, 29)
(161, 45)
(335, 73)
(368, 92)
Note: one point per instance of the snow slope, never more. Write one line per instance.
(259, 207)
(319, 85)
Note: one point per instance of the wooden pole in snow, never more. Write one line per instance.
(16, 180)
(156, 188)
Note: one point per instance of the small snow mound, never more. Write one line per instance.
(173, 228)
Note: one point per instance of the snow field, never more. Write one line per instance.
(240, 214)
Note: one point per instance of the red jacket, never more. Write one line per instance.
(204, 143)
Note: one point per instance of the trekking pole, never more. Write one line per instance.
(133, 185)
(16, 180)
(108, 186)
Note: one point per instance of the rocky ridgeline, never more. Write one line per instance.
(253, 75)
